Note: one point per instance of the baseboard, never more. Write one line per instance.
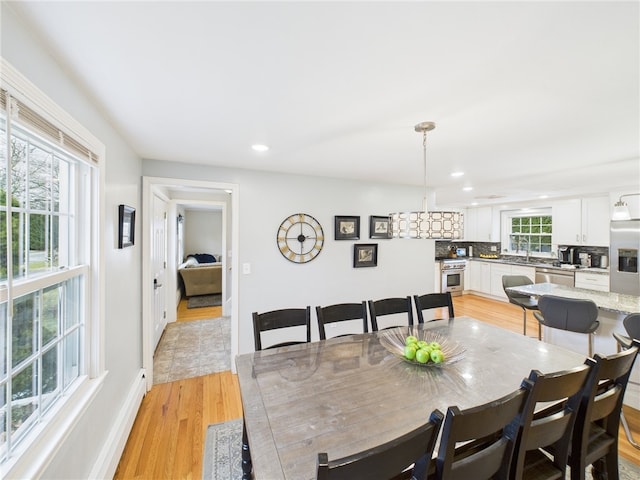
(107, 462)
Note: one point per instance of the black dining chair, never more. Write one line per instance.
(523, 301)
(431, 301)
(570, 314)
(538, 427)
(475, 443)
(595, 434)
(390, 306)
(342, 312)
(288, 318)
(386, 461)
(632, 325)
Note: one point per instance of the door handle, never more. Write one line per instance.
(156, 285)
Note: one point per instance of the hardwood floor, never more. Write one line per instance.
(168, 435)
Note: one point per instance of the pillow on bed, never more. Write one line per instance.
(204, 257)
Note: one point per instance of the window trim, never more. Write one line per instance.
(36, 452)
(505, 222)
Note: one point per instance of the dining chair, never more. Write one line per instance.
(390, 306)
(632, 325)
(569, 314)
(287, 318)
(342, 312)
(595, 434)
(475, 443)
(538, 427)
(431, 301)
(523, 301)
(385, 461)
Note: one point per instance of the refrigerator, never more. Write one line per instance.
(625, 245)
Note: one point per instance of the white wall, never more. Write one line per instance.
(405, 267)
(78, 453)
(203, 232)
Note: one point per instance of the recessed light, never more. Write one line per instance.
(457, 174)
(259, 147)
(467, 189)
(544, 196)
(473, 204)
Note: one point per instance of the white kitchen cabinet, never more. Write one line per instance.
(480, 276)
(481, 225)
(497, 271)
(486, 277)
(581, 222)
(592, 281)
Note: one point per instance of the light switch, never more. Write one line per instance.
(246, 268)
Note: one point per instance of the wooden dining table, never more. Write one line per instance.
(348, 394)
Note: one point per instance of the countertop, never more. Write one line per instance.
(533, 264)
(612, 302)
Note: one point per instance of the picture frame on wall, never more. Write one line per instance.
(365, 255)
(379, 227)
(126, 226)
(347, 227)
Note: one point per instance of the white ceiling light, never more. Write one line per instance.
(457, 174)
(426, 224)
(467, 189)
(259, 147)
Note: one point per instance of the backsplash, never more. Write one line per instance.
(484, 248)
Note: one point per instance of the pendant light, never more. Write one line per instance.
(621, 209)
(426, 224)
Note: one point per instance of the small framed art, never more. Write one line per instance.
(365, 255)
(126, 226)
(379, 227)
(347, 228)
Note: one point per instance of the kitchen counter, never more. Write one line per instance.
(612, 302)
(538, 264)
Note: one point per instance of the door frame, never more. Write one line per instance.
(151, 185)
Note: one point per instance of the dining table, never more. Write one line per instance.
(347, 394)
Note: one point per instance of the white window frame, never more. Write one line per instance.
(34, 453)
(505, 222)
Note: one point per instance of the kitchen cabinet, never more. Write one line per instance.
(486, 277)
(481, 225)
(479, 276)
(592, 281)
(497, 271)
(581, 221)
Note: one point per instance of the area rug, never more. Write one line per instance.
(223, 451)
(223, 455)
(199, 301)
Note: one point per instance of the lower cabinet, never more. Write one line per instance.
(486, 277)
(592, 281)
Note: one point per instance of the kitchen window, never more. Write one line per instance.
(49, 340)
(527, 232)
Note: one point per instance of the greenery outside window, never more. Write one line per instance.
(527, 232)
(48, 237)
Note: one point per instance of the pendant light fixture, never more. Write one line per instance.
(426, 224)
(621, 209)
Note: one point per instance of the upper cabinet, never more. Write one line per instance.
(581, 222)
(481, 226)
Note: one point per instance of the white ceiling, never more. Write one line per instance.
(529, 98)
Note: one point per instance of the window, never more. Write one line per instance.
(48, 183)
(527, 233)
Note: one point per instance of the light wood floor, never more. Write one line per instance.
(167, 438)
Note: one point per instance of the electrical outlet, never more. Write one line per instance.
(246, 268)
(494, 248)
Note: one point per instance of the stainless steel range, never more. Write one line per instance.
(452, 274)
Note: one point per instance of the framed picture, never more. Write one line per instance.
(126, 226)
(379, 227)
(347, 228)
(365, 255)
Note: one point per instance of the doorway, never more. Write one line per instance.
(179, 192)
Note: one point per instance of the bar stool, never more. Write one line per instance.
(523, 301)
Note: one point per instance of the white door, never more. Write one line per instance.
(158, 266)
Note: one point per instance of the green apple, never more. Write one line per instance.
(410, 352)
(422, 344)
(437, 356)
(410, 339)
(422, 356)
(435, 346)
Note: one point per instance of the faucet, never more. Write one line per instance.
(520, 240)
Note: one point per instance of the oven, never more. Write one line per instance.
(452, 276)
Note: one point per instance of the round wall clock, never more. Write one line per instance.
(300, 238)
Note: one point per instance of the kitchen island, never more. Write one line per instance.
(613, 308)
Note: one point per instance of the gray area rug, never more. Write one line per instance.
(223, 455)
(192, 349)
(199, 301)
(223, 451)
